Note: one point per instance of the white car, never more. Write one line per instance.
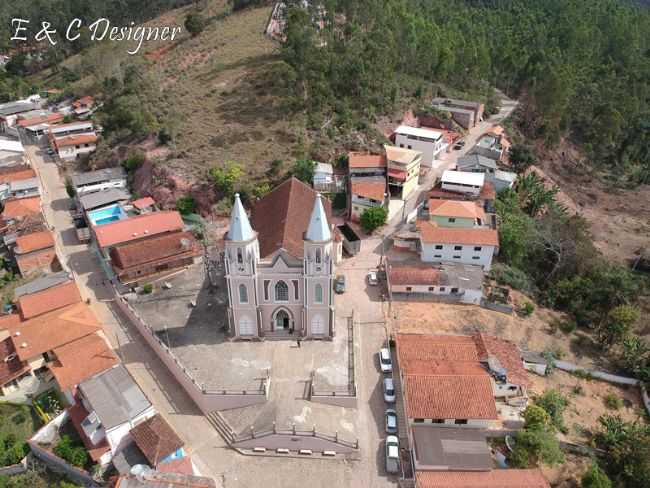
(385, 361)
(372, 278)
(392, 454)
(389, 390)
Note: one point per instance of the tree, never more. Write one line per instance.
(617, 325)
(553, 403)
(194, 23)
(635, 357)
(521, 157)
(595, 477)
(535, 446)
(226, 178)
(30, 479)
(536, 417)
(373, 218)
(186, 205)
(303, 169)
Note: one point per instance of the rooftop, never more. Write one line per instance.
(500, 478)
(24, 184)
(72, 126)
(78, 414)
(154, 249)
(156, 439)
(75, 140)
(282, 217)
(21, 207)
(138, 227)
(401, 155)
(456, 208)
(154, 479)
(82, 359)
(142, 203)
(52, 298)
(366, 160)
(451, 449)
(53, 329)
(47, 118)
(12, 108)
(41, 283)
(98, 176)
(96, 199)
(456, 101)
(508, 355)
(471, 160)
(431, 233)
(372, 189)
(419, 132)
(34, 242)
(487, 192)
(11, 367)
(7, 145)
(454, 275)
(463, 178)
(15, 173)
(114, 396)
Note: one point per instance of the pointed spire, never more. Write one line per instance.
(318, 229)
(240, 227)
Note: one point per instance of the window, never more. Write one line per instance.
(437, 421)
(243, 294)
(418, 421)
(240, 256)
(454, 290)
(476, 257)
(319, 257)
(456, 257)
(458, 248)
(452, 220)
(318, 294)
(410, 147)
(267, 283)
(438, 246)
(442, 289)
(408, 288)
(477, 248)
(460, 421)
(432, 288)
(401, 145)
(296, 295)
(437, 256)
(281, 292)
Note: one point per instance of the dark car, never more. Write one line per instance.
(339, 284)
(459, 145)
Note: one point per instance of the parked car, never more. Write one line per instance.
(459, 145)
(385, 361)
(389, 390)
(392, 454)
(372, 278)
(339, 284)
(50, 151)
(391, 421)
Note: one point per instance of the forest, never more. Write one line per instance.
(580, 69)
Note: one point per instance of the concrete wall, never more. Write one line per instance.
(344, 401)
(472, 297)
(101, 186)
(298, 441)
(429, 150)
(471, 423)
(207, 401)
(467, 254)
(461, 222)
(472, 190)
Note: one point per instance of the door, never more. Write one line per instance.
(282, 321)
(247, 327)
(318, 325)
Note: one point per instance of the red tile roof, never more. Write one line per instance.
(374, 190)
(86, 100)
(8, 321)
(34, 242)
(508, 355)
(366, 160)
(10, 369)
(499, 478)
(179, 465)
(53, 329)
(75, 140)
(431, 233)
(81, 359)
(281, 218)
(77, 414)
(21, 207)
(431, 347)
(456, 208)
(142, 203)
(44, 259)
(413, 275)
(156, 439)
(138, 227)
(53, 298)
(16, 173)
(155, 250)
(43, 119)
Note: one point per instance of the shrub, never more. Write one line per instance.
(578, 390)
(613, 401)
(186, 205)
(535, 446)
(147, 288)
(11, 450)
(527, 309)
(514, 278)
(303, 169)
(373, 218)
(554, 403)
(134, 161)
(226, 178)
(194, 23)
(70, 451)
(69, 187)
(567, 326)
(595, 477)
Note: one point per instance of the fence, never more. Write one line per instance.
(208, 400)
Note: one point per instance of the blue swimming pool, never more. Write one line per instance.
(106, 215)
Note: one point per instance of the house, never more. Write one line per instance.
(35, 127)
(157, 479)
(366, 193)
(366, 165)
(120, 231)
(450, 449)
(325, 179)
(71, 147)
(486, 197)
(33, 341)
(475, 163)
(497, 478)
(465, 113)
(144, 205)
(18, 172)
(11, 152)
(107, 407)
(157, 441)
(16, 209)
(454, 213)
(101, 179)
(38, 301)
(35, 252)
(462, 182)
(41, 284)
(430, 143)
(403, 171)
(159, 254)
(489, 146)
(280, 265)
(9, 113)
(449, 282)
(98, 199)
(20, 189)
(472, 246)
(71, 128)
(83, 106)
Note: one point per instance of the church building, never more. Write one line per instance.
(280, 266)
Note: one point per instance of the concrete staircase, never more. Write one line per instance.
(221, 426)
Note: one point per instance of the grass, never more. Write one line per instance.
(613, 401)
(19, 420)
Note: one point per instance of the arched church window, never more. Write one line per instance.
(243, 294)
(281, 292)
(318, 293)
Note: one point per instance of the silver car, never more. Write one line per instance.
(391, 421)
(392, 454)
(385, 361)
(389, 390)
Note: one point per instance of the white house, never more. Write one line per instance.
(109, 405)
(475, 246)
(427, 141)
(463, 182)
(73, 146)
(367, 193)
(101, 179)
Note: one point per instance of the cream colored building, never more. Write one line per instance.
(403, 171)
